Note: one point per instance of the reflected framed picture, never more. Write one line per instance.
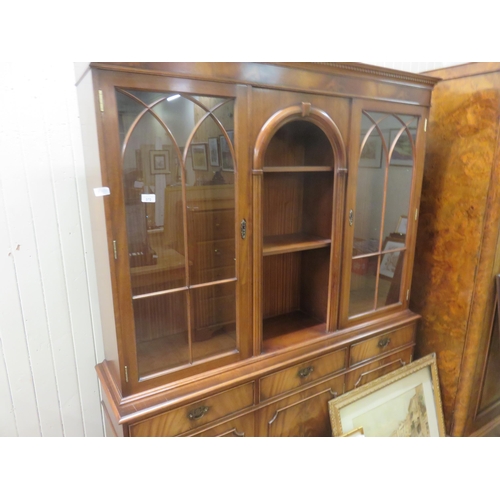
(371, 156)
(402, 156)
(225, 152)
(390, 261)
(404, 403)
(199, 154)
(402, 225)
(159, 161)
(213, 150)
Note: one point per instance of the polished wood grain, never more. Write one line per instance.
(457, 248)
(305, 414)
(237, 427)
(379, 345)
(349, 79)
(302, 374)
(375, 369)
(263, 304)
(286, 243)
(190, 416)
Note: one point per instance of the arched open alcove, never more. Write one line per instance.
(299, 152)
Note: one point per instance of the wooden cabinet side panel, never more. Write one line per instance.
(456, 218)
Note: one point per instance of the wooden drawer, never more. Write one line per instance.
(199, 413)
(301, 374)
(304, 414)
(237, 427)
(376, 369)
(381, 344)
(213, 225)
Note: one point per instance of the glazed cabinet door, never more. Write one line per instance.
(303, 415)
(385, 176)
(176, 163)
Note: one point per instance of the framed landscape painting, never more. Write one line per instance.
(404, 403)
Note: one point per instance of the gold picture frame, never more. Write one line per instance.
(199, 155)
(404, 403)
(357, 432)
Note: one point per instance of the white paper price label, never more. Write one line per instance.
(102, 191)
(148, 198)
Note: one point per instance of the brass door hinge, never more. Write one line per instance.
(425, 125)
(115, 251)
(126, 374)
(101, 101)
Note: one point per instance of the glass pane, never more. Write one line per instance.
(390, 278)
(363, 284)
(210, 195)
(370, 187)
(214, 329)
(171, 142)
(399, 179)
(161, 332)
(156, 250)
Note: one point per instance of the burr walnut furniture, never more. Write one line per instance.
(458, 251)
(270, 201)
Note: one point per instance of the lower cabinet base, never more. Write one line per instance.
(290, 400)
(303, 414)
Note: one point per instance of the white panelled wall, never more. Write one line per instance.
(50, 331)
(49, 342)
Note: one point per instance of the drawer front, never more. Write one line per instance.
(213, 225)
(237, 427)
(194, 415)
(381, 344)
(304, 414)
(301, 374)
(376, 369)
(214, 254)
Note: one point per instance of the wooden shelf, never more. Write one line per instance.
(298, 168)
(287, 243)
(288, 329)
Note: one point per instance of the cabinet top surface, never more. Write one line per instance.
(240, 71)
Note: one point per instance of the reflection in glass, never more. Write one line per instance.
(215, 320)
(390, 278)
(370, 187)
(363, 283)
(178, 179)
(384, 180)
(161, 328)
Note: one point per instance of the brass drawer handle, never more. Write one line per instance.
(384, 342)
(217, 251)
(305, 372)
(198, 413)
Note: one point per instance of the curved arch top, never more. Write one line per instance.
(303, 112)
